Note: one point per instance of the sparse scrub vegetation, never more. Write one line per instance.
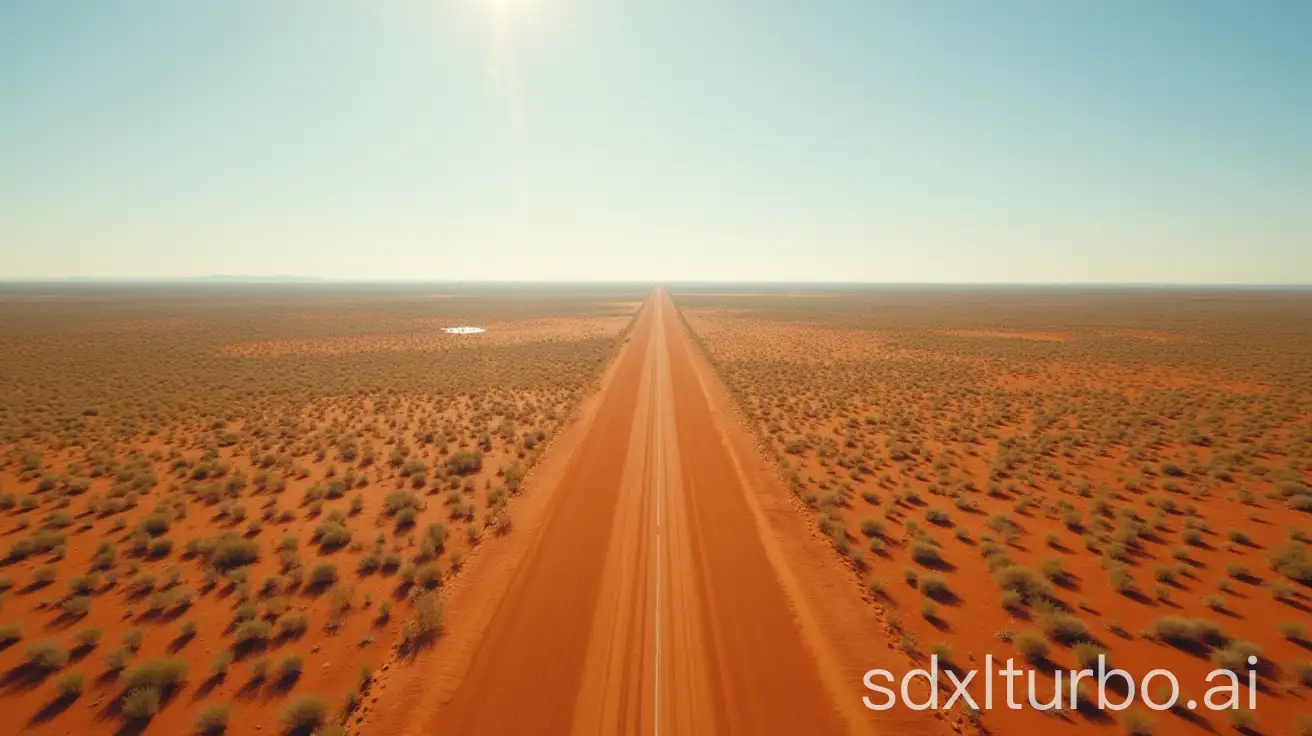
(1164, 455)
(156, 451)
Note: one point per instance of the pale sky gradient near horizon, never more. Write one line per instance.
(826, 140)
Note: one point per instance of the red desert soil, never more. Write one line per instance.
(1011, 335)
(660, 579)
(191, 537)
(1156, 493)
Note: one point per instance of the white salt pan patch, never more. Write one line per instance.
(463, 330)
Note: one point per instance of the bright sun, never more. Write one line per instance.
(507, 7)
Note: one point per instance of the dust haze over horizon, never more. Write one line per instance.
(642, 141)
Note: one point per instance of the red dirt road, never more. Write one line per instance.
(657, 583)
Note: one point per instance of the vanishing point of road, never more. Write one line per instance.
(658, 581)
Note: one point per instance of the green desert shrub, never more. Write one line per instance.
(88, 638)
(1026, 583)
(213, 719)
(228, 551)
(935, 587)
(925, 553)
(46, 656)
(1235, 655)
(1063, 628)
(332, 536)
(465, 463)
(293, 626)
(117, 659)
(323, 574)
(428, 615)
(429, 575)
(222, 661)
(871, 528)
(1186, 631)
(289, 668)
(1086, 654)
(164, 675)
(305, 714)
(1293, 561)
(70, 685)
(141, 704)
(1031, 646)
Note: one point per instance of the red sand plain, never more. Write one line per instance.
(494, 400)
(662, 576)
(1007, 454)
(660, 580)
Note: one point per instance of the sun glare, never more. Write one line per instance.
(504, 8)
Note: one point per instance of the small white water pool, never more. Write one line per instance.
(463, 330)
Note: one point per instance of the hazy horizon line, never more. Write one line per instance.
(292, 280)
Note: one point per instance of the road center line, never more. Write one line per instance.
(659, 492)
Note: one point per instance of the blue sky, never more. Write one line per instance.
(844, 140)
